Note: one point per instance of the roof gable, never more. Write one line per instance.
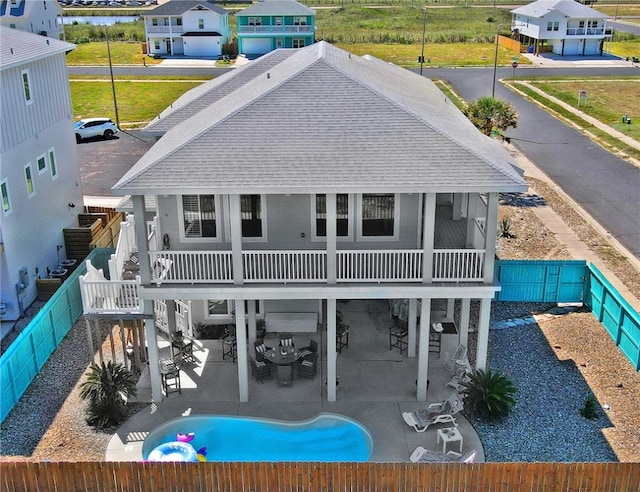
(569, 8)
(180, 7)
(277, 7)
(325, 119)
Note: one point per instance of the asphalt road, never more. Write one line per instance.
(607, 187)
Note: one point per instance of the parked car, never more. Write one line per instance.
(94, 127)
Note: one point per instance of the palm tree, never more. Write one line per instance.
(492, 116)
(107, 388)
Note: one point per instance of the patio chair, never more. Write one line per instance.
(286, 340)
(451, 359)
(422, 455)
(398, 338)
(307, 367)
(342, 338)
(435, 413)
(311, 351)
(285, 375)
(260, 348)
(260, 370)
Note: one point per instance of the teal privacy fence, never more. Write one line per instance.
(573, 281)
(24, 358)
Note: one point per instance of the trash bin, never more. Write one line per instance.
(530, 49)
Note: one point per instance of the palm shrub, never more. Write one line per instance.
(492, 116)
(106, 389)
(489, 394)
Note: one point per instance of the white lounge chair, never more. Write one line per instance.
(452, 358)
(422, 455)
(435, 413)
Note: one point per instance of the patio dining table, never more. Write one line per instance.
(283, 356)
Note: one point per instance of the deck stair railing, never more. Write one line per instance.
(110, 296)
(126, 245)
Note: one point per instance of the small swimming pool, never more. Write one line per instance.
(326, 437)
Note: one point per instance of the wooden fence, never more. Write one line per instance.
(378, 477)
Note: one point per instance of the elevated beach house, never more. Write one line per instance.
(305, 177)
(564, 27)
(190, 28)
(39, 175)
(271, 24)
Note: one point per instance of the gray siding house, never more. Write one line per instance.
(39, 175)
(307, 176)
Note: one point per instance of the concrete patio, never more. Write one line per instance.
(376, 386)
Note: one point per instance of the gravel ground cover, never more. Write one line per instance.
(554, 365)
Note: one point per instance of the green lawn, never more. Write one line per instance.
(138, 101)
(122, 53)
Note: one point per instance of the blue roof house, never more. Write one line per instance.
(271, 24)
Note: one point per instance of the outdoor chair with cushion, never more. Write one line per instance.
(435, 413)
(260, 349)
(451, 359)
(286, 340)
(307, 367)
(285, 375)
(311, 351)
(422, 455)
(260, 370)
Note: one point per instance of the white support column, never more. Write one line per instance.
(151, 334)
(463, 333)
(251, 318)
(472, 213)
(332, 356)
(429, 226)
(490, 237)
(423, 349)
(92, 353)
(243, 363)
(483, 333)
(331, 238)
(141, 241)
(413, 322)
(451, 304)
(236, 239)
(171, 315)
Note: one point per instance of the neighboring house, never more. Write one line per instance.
(271, 24)
(42, 17)
(564, 27)
(187, 28)
(304, 177)
(39, 175)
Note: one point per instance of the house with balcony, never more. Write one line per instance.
(563, 27)
(39, 174)
(38, 17)
(261, 202)
(271, 24)
(193, 28)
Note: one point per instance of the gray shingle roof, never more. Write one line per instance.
(206, 94)
(321, 121)
(19, 47)
(179, 7)
(277, 7)
(570, 8)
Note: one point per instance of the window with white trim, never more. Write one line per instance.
(277, 21)
(297, 43)
(28, 178)
(41, 164)
(199, 216)
(254, 21)
(343, 212)
(299, 21)
(26, 86)
(200, 23)
(222, 309)
(52, 163)
(156, 45)
(379, 214)
(6, 202)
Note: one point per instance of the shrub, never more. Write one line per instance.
(489, 394)
(505, 229)
(107, 388)
(590, 408)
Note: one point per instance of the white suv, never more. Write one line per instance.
(94, 127)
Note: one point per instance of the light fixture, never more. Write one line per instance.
(72, 205)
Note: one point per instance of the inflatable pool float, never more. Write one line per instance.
(185, 437)
(173, 451)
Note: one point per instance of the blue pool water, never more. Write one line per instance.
(326, 437)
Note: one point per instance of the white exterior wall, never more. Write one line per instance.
(526, 26)
(212, 21)
(33, 227)
(39, 16)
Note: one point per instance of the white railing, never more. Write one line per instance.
(458, 265)
(284, 266)
(581, 31)
(126, 245)
(191, 266)
(110, 296)
(273, 29)
(160, 29)
(379, 266)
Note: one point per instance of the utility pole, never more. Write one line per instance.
(495, 62)
(113, 85)
(424, 29)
